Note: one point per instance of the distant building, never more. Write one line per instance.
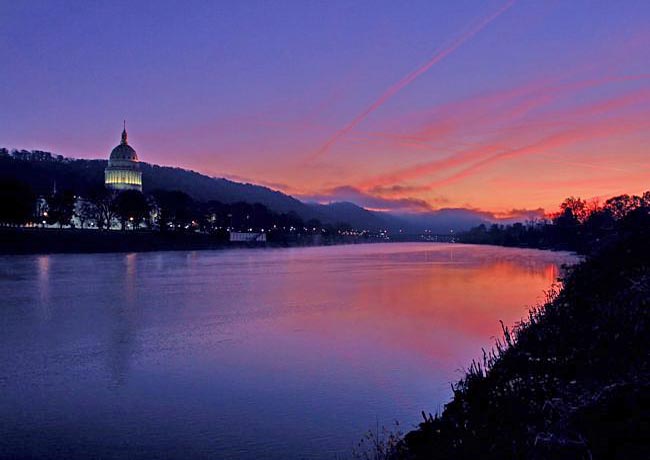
(248, 237)
(123, 170)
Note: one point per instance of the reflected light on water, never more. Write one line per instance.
(286, 353)
(43, 263)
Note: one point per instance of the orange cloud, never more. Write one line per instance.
(508, 135)
(555, 141)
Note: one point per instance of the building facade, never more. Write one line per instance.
(248, 237)
(123, 170)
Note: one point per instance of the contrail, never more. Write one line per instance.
(390, 92)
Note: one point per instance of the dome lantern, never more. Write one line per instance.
(124, 137)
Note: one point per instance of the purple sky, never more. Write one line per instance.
(497, 105)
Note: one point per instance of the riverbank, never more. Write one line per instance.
(50, 241)
(571, 381)
(18, 240)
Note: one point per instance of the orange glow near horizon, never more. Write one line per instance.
(501, 106)
(513, 150)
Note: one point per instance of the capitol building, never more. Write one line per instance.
(123, 170)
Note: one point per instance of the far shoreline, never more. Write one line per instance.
(15, 241)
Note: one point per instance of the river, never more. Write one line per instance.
(269, 353)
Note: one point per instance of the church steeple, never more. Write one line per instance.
(124, 140)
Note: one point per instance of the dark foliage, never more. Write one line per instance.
(579, 226)
(176, 209)
(41, 172)
(131, 206)
(60, 208)
(17, 202)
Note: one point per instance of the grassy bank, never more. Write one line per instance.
(570, 382)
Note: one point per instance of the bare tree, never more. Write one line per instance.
(105, 209)
(85, 210)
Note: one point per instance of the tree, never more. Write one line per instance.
(600, 224)
(175, 209)
(621, 205)
(60, 208)
(85, 210)
(17, 202)
(103, 201)
(131, 206)
(645, 200)
(579, 208)
(152, 215)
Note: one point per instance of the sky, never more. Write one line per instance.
(504, 106)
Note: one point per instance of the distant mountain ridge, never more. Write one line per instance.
(42, 170)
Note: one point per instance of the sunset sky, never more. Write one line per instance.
(408, 106)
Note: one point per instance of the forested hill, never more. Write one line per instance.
(41, 170)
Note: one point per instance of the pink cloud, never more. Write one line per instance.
(566, 117)
(552, 142)
(408, 79)
(369, 201)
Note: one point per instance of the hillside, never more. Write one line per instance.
(85, 175)
(445, 220)
(355, 216)
(42, 170)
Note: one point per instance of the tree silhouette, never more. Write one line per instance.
(131, 206)
(581, 225)
(175, 209)
(60, 208)
(85, 210)
(17, 202)
(620, 206)
(103, 202)
(578, 207)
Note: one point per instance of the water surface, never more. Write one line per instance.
(271, 353)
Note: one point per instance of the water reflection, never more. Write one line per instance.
(246, 354)
(130, 276)
(43, 287)
(124, 315)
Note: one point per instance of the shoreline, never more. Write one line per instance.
(43, 241)
(570, 381)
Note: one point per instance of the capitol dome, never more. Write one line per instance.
(123, 170)
(124, 151)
